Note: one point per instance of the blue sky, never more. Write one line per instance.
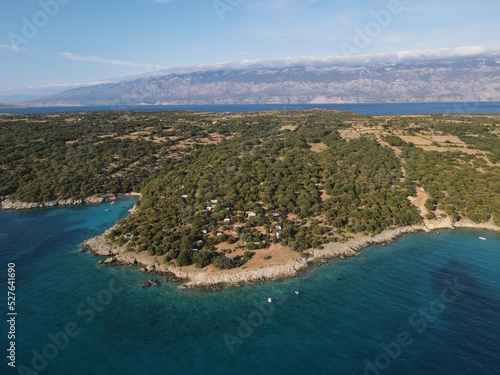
(79, 41)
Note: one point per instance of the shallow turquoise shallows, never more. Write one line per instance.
(427, 304)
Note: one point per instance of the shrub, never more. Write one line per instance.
(185, 258)
(223, 263)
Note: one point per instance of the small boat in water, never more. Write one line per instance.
(270, 300)
(482, 238)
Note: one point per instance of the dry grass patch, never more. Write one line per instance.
(349, 134)
(447, 139)
(318, 147)
(416, 140)
(324, 195)
(289, 127)
(419, 201)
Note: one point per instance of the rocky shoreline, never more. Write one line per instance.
(213, 279)
(194, 277)
(352, 247)
(8, 204)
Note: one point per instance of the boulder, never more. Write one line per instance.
(110, 260)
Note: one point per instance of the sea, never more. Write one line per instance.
(371, 109)
(426, 304)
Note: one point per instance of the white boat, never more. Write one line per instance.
(297, 292)
(482, 238)
(270, 300)
(112, 202)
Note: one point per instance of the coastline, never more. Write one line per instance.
(213, 278)
(210, 277)
(14, 205)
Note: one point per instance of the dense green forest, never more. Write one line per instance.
(214, 182)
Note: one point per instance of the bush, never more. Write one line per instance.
(223, 263)
(251, 246)
(247, 255)
(203, 258)
(185, 258)
(172, 254)
(232, 240)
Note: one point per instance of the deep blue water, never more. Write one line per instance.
(367, 109)
(336, 325)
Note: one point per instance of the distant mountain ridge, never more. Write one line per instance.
(457, 79)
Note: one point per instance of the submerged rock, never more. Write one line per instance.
(150, 282)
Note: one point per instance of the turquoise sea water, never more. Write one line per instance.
(431, 300)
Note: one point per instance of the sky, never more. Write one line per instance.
(64, 42)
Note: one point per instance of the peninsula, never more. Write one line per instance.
(235, 198)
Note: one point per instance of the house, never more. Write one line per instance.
(219, 233)
(184, 196)
(208, 208)
(204, 231)
(214, 201)
(278, 227)
(227, 220)
(251, 214)
(275, 214)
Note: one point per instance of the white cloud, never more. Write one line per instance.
(12, 48)
(101, 60)
(315, 61)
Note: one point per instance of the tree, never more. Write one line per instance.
(185, 258)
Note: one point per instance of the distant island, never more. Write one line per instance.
(234, 198)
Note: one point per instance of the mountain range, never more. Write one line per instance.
(443, 79)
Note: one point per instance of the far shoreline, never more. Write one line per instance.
(370, 109)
